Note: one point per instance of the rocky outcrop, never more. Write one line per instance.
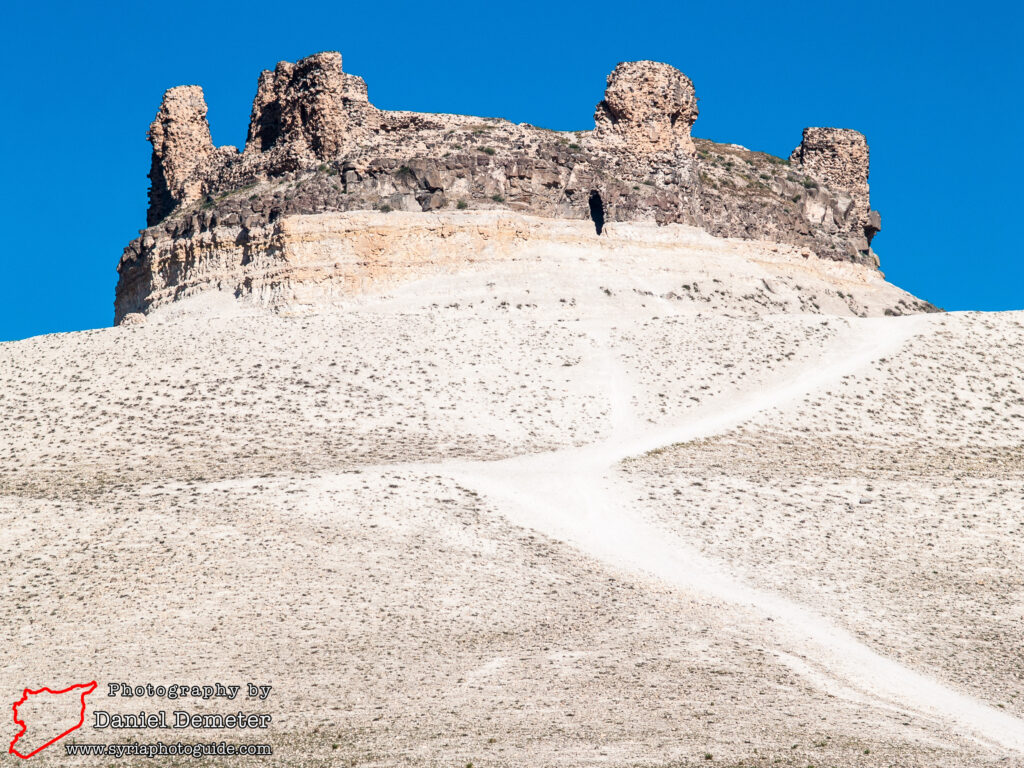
(311, 108)
(317, 145)
(647, 107)
(182, 149)
(838, 158)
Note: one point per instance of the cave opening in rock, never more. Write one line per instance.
(597, 211)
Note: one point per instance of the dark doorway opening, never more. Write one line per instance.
(597, 211)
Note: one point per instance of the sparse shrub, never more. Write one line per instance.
(385, 208)
(809, 183)
(462, 205)
(498, 198)
(574, 145)
(487, 150)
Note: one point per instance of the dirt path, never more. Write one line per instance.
(573, 496)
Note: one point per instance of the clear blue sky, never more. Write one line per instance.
(937, 88)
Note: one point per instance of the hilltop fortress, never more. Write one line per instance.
(253, 222)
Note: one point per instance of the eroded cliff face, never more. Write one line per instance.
(316, 144)
(302, 262)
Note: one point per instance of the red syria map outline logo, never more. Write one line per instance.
(87, 689)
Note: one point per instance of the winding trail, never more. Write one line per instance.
(573, 496)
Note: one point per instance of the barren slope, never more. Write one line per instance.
(314, 502)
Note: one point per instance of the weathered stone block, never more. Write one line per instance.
(649, 107)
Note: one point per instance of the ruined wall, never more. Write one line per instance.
(183, 152)
(838, 157)
(314, 107)
(648, 107)
(316, 144)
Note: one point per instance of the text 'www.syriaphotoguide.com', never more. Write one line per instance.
(160, 749)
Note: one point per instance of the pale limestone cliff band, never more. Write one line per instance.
(309, 261)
